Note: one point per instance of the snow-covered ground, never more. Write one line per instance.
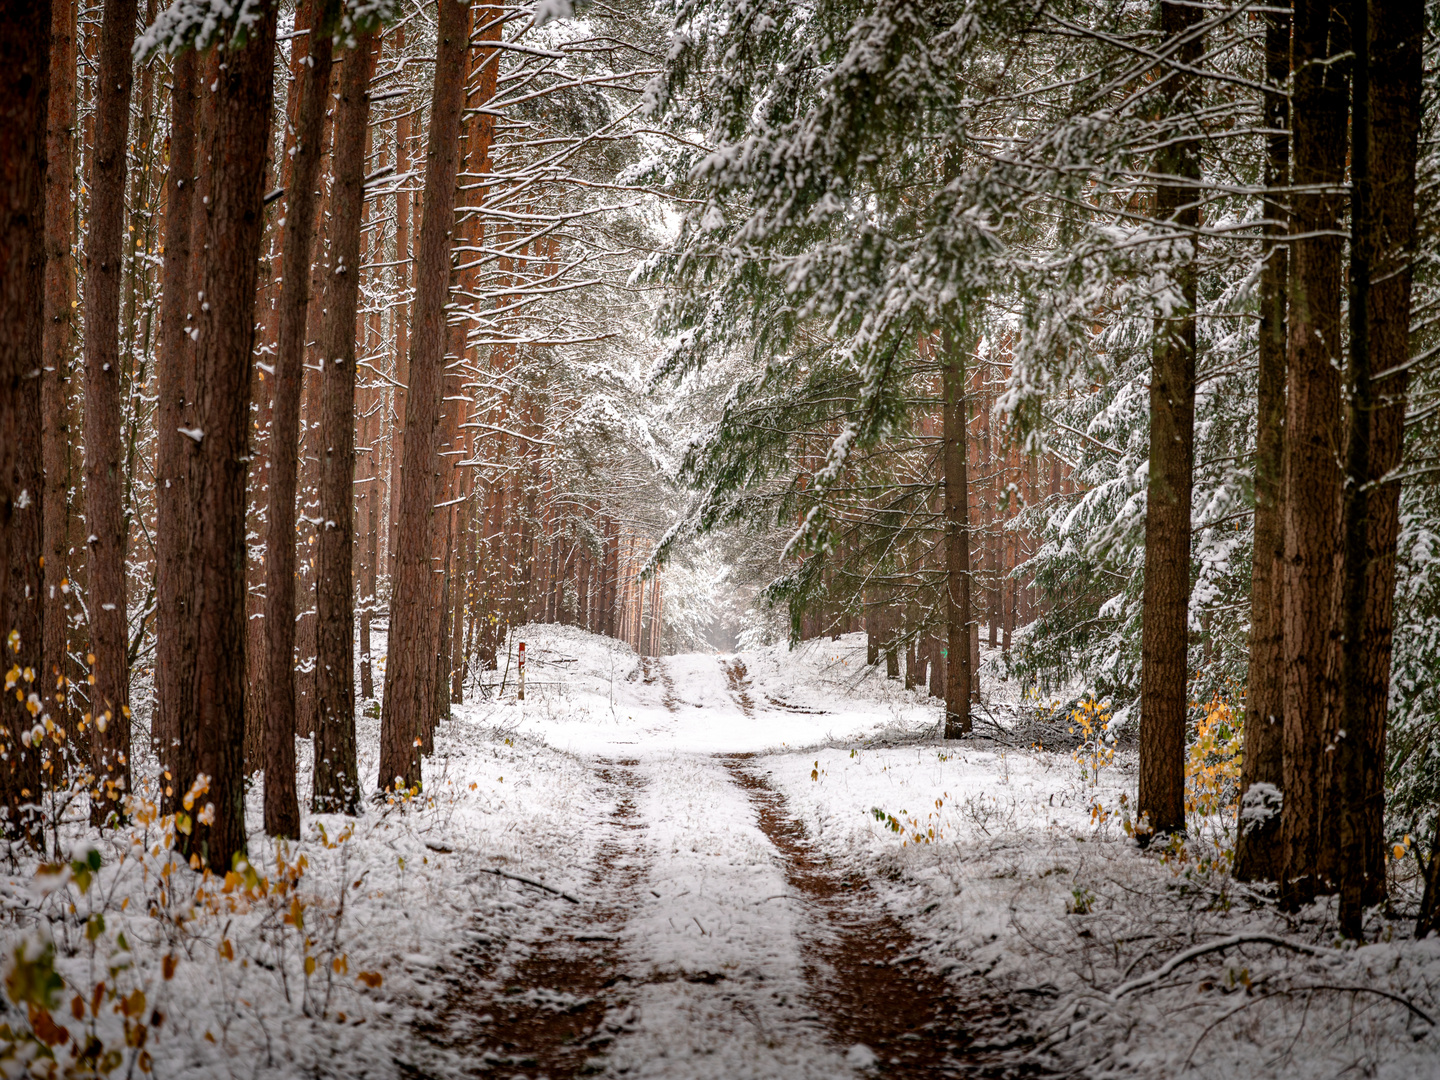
(770, 867)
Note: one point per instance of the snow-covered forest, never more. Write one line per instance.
(719, 538)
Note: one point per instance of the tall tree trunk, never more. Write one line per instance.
(957, 543)
(214, 723)
(59, 341)
(402, 326)
(1346, 765)
(409, 669)
(308, 484)
(459, 592)
(1395, 89)
(24, 98)
(1257, 850)
(368, 433)
(174, 623)
(1312, 428)
(1385, 128)
(1165, 629)
(337, 775)
(282, 810)
(104, 469)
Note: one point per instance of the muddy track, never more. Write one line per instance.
(655, 670)
(737, 677)
(550, 1010)
(868, 985)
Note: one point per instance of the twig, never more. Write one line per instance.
(1216, 946)
(528, 881)
(443, 850)
(1421, 1013)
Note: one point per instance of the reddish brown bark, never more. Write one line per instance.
(174, 624)
(957, 543)
(1165, 629)
(1385, 127)
(337, 778)
(409, 669)
(24, 96)
(402, 322)
(214, 723)
(1312, 428)
(1257, 850)
(104, 470)
(57, 356)
(282, 810)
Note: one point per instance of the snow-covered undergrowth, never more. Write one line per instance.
(1004, 861)
(1014, 864)
(313, 964)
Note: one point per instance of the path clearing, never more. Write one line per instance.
(714, 938)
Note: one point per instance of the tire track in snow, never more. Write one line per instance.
(737, 678)
(873, 992)
(714, 945)
(543, 1014)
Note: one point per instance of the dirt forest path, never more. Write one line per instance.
(713, 939)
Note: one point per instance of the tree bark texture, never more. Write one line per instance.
(174, 621)
(1257, 850)
(282, 810)
(410, 665)
(214, 722)
(24, 98)
(1346, 760)
(1164, 637)
(1385, 128)
(104, 468)
(957, 544)
(1312, 427)
(402, 325)
(337, 777)
(57, 355)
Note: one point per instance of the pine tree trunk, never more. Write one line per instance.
(1312, 429)
(1396, 115)
(1257, 850)
(912, 616)
(59, 342)
(1385, 127)
(282, 808)
(458, 595)
(214, 722)
(1164, 631)
(24, 95)
(957, 544)
(337, 775)
(174, 626)
(408, 671)
(402, 329)
(1346, 772)
(104, 467)
(372, 540)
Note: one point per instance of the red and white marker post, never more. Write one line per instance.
(521, 666)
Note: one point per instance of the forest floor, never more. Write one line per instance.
(760, 866)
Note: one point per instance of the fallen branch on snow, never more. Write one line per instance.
(1222, 944)
(529, 881)
(443, 850)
